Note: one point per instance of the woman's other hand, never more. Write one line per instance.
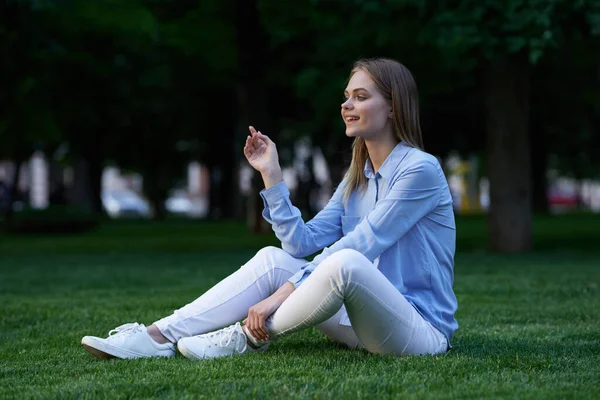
(257, 315)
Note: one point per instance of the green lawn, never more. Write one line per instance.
(529, 324)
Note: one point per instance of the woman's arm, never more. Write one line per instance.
(297, 238)
(258, 313)
(413, 195)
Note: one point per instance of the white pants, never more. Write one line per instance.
(383, 321)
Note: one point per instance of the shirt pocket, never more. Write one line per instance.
(349, 223)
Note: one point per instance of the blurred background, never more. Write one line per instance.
(140, 108)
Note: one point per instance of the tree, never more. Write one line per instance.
(505, 39)
(564, 134)
(25, 122)
(137, 74)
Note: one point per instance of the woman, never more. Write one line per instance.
(385, 281)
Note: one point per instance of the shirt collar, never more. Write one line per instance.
(390, 164)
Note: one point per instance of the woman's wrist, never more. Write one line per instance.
(284, 291)
(272, 176)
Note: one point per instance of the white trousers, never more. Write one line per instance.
(383, 321)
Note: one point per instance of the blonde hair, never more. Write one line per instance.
(397, 85)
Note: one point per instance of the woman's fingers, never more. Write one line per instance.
(257, 139)
(264, 335)
(258, 143)
(260, 328)
(257, 329)
(265, 138)
(248, 149)
(255, 142)
(252, 146)
(255, 324)
(258, 134)
(252, 325)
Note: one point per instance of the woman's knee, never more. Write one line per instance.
(337, 332)
(271, 257)
(345, 260)
(274, 254)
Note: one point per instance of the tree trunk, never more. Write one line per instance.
(223, 185)
(506, 97)
(252, 43)
(157, 182)
(539, 166)
(216, 192)
(95, 185)
(79, 193)
(87, 184)
(255, 221)
(13, 188)
(539, 156)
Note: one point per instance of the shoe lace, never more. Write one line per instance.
(226, 336)
(125, 329)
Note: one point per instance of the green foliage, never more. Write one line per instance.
(204, 27)
(493, 29)
(109, 17)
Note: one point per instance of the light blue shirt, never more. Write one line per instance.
(403, 223)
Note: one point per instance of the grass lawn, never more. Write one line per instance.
(529, 324)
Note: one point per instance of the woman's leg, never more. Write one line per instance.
(340, 333)
(383, 320)
(229, 300)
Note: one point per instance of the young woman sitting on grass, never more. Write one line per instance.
(385, 281)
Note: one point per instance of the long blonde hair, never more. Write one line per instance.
(397, 85)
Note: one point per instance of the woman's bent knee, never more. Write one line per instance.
(345, 260)
(271, 257)
(269, 251)
(275, 254)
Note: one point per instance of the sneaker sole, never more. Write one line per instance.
(98, 353)
(187, 353)
(104, 351)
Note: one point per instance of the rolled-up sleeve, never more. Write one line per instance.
(299, 277)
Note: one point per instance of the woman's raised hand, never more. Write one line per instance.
(260, 151)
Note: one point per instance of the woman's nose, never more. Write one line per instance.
(347, 104)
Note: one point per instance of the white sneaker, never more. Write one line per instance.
(224, 342)
(127, 341)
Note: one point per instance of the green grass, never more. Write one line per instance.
(529, 324)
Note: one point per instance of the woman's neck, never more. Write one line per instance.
(380, 149)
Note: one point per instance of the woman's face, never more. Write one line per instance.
(366, 112)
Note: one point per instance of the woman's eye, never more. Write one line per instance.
(360, 98)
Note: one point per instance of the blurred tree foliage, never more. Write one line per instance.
(151, 84)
